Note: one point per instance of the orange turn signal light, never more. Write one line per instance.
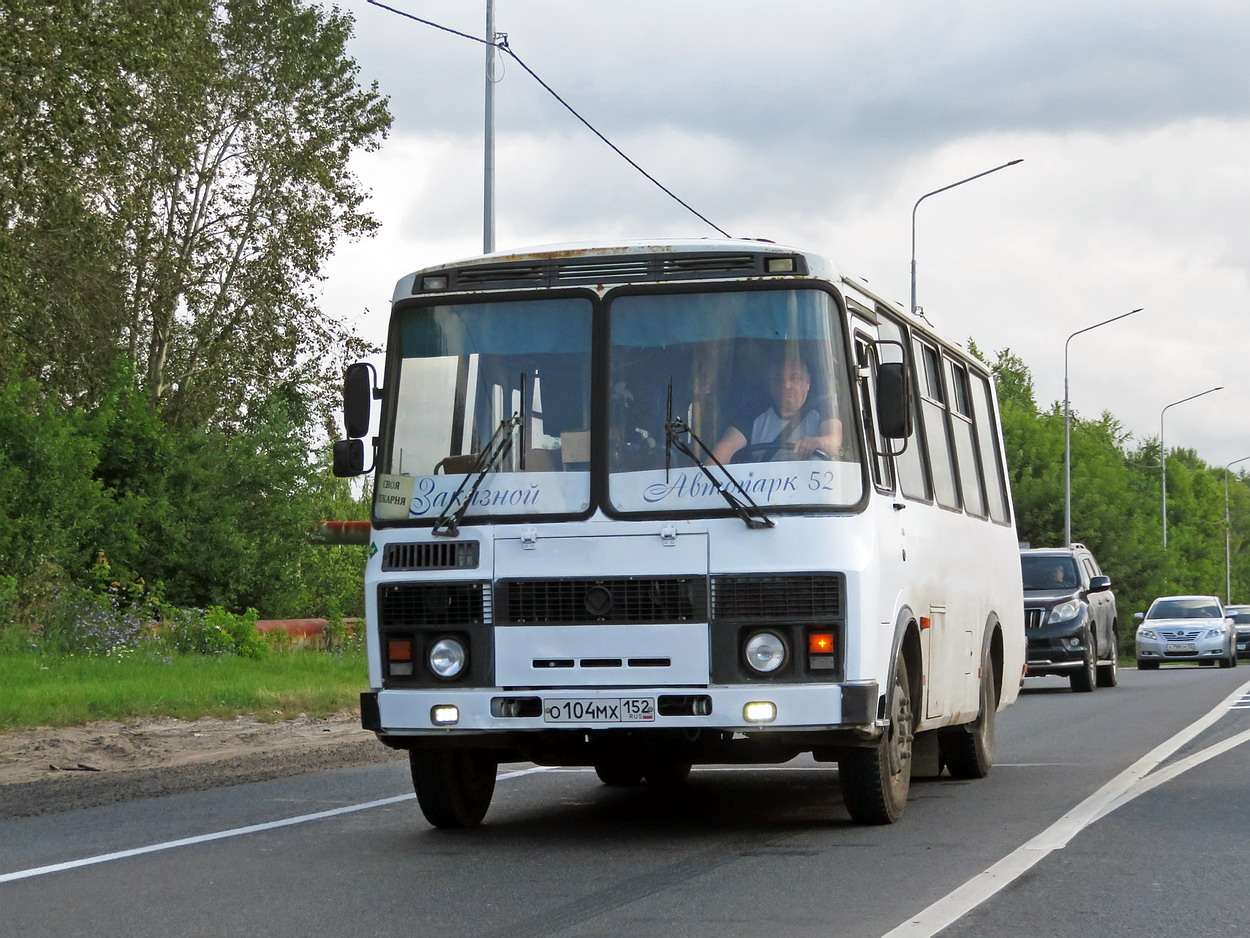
(820, 643)
(399, 649)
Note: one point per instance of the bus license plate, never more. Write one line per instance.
(1180, 646)
(599, 710)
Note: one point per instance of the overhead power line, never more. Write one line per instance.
(502, 46)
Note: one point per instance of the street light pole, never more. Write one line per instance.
(1163, 458)
(1067, 431)
(1228, 549)
(913, 221)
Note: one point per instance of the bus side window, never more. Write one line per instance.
(937, 430)
(913, 476)
(970, 482)
(866, 360)
(990, 448)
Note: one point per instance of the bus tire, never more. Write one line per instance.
(619, 774)
(454, 786)
(667, 774)
(875, 781)
(968, 750)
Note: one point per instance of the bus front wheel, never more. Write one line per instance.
(875, 781)
(454, 786)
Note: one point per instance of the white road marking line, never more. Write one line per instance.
(222, 835)
(1119, 791)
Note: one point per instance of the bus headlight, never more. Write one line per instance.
(765, 652)
(447, 657)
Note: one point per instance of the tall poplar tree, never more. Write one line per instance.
(173, 176)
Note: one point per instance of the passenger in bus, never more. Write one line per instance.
(791, 428)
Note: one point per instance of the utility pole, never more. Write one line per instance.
(488, 182)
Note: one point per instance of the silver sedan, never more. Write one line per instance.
(1186, 628)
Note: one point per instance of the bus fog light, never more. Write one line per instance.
(444, 715)
(760, 711)
(765, 652)
(447, 657)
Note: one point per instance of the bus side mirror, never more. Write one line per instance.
(349, 458)
(893, 412)
(358, 395)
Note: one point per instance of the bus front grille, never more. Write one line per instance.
(788, 597)
(432, 555)
(433, 604)
(637, 600)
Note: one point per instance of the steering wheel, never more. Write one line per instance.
(764, 452)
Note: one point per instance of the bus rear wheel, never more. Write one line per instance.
(875, 781)
(454, 786)
(968, 750)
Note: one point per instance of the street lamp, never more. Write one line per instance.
(1228, 551)
(1163, 459)
(1067, 431)
(913, 220)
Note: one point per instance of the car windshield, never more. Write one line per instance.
(757, 377)
(1049, 573)
(1185, 609)
(1240, 614)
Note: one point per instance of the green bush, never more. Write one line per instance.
(212, 631)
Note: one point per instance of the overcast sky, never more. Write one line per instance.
(819, 123)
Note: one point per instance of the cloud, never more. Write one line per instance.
(820, 124)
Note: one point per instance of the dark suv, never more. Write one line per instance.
(1069, 617)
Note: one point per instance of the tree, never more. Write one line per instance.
(184, 165)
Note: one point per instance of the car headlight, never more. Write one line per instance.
(1214, 633)
(1147, 634)
(447, 657)
(765, 652)
(1064, 611)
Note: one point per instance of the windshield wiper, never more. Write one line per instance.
(752, 514)
(447, 524)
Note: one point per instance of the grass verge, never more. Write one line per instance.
(48, 690)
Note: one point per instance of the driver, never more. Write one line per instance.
(791, 424)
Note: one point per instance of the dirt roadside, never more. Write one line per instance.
(45, 770)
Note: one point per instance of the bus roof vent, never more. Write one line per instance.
(713, 265)
(496, 276)
(593, 270)
(615, 269)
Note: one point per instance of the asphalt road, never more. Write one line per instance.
(739, 851)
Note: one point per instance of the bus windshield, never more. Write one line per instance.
(759, 376)
(465, 377)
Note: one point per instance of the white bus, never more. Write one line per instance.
(646, 505)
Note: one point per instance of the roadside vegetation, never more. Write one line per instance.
(1116, 500)
(173, 176)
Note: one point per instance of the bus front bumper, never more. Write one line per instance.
(739, 709)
